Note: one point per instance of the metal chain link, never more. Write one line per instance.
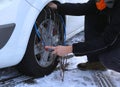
(63, 65)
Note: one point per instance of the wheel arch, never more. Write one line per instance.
(40, 10)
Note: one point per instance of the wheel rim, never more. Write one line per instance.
(49, 32)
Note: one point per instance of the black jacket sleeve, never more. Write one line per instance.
(110, 37)
(77, 9)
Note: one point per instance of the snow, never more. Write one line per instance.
(73, 77)
(115, 77)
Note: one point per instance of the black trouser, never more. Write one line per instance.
(111, 59)
(94, 26)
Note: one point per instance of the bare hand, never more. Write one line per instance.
(60, 50)
(52, 5)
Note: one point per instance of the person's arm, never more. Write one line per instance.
(77, 9)
(88, 47)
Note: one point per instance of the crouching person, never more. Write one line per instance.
(106, 45)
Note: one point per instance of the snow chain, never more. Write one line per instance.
(63, 65)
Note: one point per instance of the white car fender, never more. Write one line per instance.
(39, 4)
(14, 50)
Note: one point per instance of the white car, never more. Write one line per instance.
(26, 26)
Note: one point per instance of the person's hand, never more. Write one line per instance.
(60, 50)
(52, 5)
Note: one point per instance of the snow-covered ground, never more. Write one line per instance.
(73, 77)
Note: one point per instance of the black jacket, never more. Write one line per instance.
(110, 37)
(77, 9)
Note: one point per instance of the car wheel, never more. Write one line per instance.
(48, 30)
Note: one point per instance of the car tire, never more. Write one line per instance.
(37, 62)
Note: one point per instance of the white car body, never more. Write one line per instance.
(24, 13)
